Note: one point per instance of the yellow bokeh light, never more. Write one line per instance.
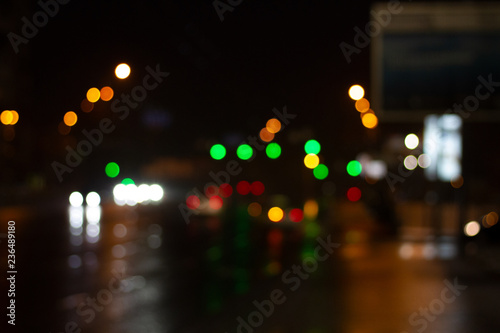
(15, 117)
(369, 120)
(107, 93)
(6, 117)
(273, 125)
(122, 71)
(362, 114)
(93, 95)
(311, 209)
(362, 105)
(70, 118)
(265, 135)
(311, 161)
(275, 214)
(356, 92)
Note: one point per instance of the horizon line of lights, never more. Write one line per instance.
(131, 194)
(92, 199)
(245, 152)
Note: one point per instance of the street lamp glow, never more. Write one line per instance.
(70, 118)
(273, 125)
(106, 93)
(93, 95)
(275, 214)
(362, 105)
(411, 141)
(15, 117)
(122, 71)
(472, 228)
(369, 120)
(356, 92)
(6, 117)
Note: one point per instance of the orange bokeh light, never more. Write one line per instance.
(273, 125)
(70, 118)
(6, 117)
(15, 117)
(362, 105)
(107, 93)
(265, 135)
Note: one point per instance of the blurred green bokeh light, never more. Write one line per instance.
(321, 171)
(112, 169)
(312, 147)
(354, 168)
(273, 150)
(244, 152)
(218, 152)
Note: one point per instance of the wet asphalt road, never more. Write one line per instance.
(147, 271)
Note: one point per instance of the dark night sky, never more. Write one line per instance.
(226, 77)
(229, 75)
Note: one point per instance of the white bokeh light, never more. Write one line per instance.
(76, 199)
(356, 92)
(93, 199)
(132, 194)
(119, 192)
(424, 161)
(410, 162)
(122, 71)
(472, 228)
(406, 251)
(156, 192)
(143, 193)
(376, 169)
(411, 141)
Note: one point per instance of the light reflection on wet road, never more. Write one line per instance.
(133, 269)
